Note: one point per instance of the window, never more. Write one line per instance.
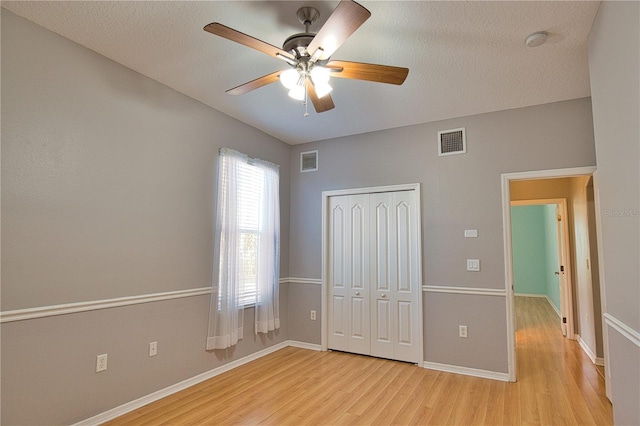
(250, 184)
(248, 251)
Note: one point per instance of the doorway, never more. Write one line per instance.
(583, 283)
(541, 255)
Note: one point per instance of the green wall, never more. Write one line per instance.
(535, 251)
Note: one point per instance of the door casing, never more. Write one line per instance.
(508, 253)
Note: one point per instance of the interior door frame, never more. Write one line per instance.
(324, 321)
(506, 179)
(566, 295)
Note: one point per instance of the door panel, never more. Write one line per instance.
(338, 310)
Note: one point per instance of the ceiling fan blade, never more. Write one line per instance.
(344, 21)
(322, 104)
(252, 42)
(369, 72)
(255, 84)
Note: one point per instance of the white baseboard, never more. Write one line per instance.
(303, 345)
(140, 402)
(485, 374)
(587, 350)
(600, 362)
(162, 393)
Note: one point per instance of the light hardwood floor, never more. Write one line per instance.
(557, 384)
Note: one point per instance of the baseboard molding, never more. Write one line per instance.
(485, 374)
(304, 345)
(600, 362)
(586, 349)
(162, 393)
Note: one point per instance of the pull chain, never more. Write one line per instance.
(306, 101)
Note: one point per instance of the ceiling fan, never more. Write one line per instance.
(309, 56)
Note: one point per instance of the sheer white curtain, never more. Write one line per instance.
(267, 317)
(247, 255)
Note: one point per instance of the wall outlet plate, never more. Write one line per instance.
(153, 348)
(462, 331)
(473, 265)
(101, 363)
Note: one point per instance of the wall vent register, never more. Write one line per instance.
(452, 142)
(309, 161)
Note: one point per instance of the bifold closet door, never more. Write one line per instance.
(349, 319)
(394, 282)
(373, 275)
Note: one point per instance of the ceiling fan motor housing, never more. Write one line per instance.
(297, 44)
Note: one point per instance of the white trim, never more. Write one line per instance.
(140, 402)
(599, 361)
(317, 281)
(372, 190)
(304, 345)
(465, 290)
(603, 290)
(485, 374)
(506, 178)
(586, 349)
(623, 329)
(94, 305)
(72, 308)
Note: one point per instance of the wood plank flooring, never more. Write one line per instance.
(557, 384)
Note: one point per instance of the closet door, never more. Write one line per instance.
(395, 286)
(349, 319)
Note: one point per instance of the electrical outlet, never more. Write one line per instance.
(153, 348)
(462, 331)
(473, 265)
(313, 315)
(101, 363)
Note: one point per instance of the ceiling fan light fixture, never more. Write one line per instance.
(289, 78)
(297, 92)
(320, 75)
(323, 89)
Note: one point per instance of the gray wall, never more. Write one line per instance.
(107, 191)
(458, 192)
(614, 67)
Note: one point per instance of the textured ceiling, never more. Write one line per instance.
(464, 58)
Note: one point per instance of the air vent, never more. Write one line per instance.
(309, 161)
(452, 142)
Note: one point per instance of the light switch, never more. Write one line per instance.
(471, 233)
(473, 265)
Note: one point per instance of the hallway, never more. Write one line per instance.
(558, 383)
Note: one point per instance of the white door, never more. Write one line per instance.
(349, 320)
(395, 286)
(373, 279)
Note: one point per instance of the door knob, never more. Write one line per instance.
(383, 295)
(357, 293)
